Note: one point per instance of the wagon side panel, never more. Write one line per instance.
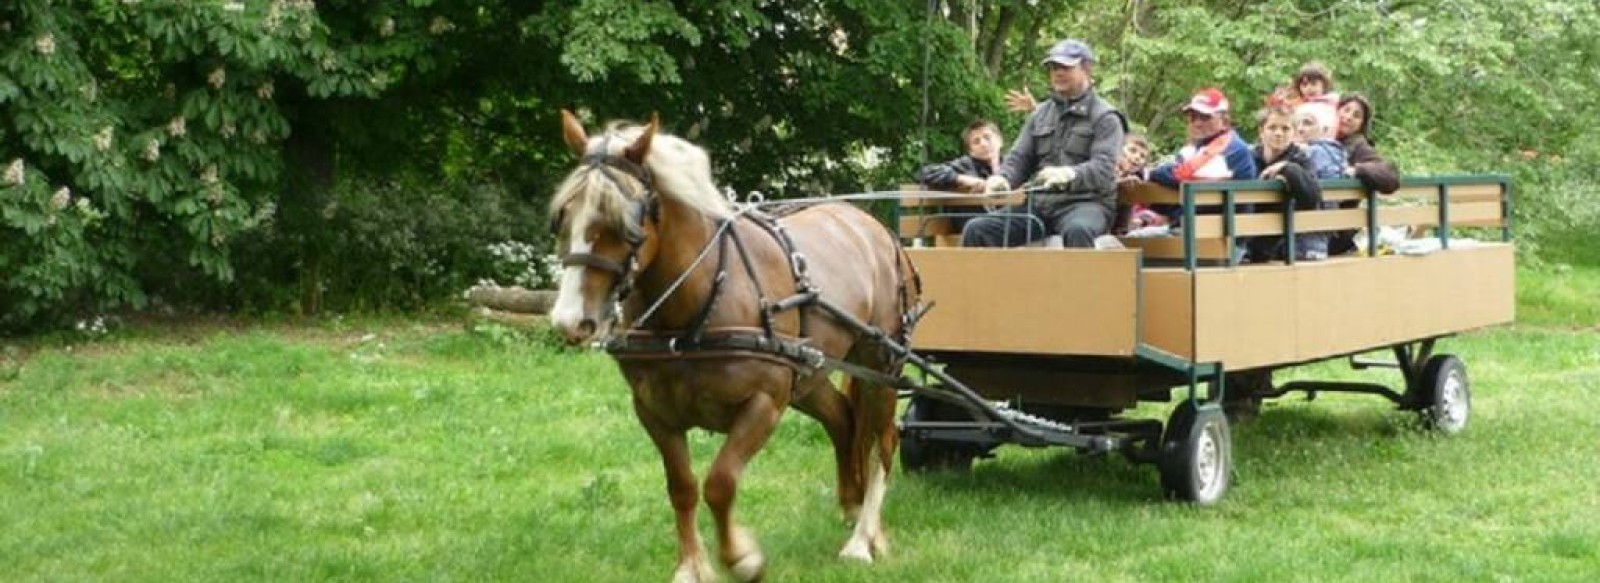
(1268, 315)
(1029, 301)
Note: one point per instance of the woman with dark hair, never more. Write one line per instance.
(1374, 172)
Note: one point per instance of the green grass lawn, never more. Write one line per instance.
(401, 451)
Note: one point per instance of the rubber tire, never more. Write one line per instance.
(923, 455)
(1196, 455)
(1445, 402)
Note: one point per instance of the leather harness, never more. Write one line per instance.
(697, 341)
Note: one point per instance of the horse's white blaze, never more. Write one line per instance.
(868, 535)
(568, 311)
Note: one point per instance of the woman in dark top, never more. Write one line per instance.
(1375, 173)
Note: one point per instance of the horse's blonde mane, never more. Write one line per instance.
(681, 169)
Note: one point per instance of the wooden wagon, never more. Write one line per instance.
(1059, 342)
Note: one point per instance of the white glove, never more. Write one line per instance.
(996, 183)
(1056, 176)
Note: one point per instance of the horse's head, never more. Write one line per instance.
(602, 220)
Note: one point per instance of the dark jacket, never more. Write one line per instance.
(943, 176)
(1085, 133)
(1371, 169)
(1298, 181)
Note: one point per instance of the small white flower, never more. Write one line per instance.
(227, 131)
(90, 91)
(386, 28)
(102, 140)
(45, 45)
(209, 175)
(217, 77)
(258, 136)
(61, 198)
(152, 150)
(233, 7)
(177, 127)
(440, 26)
(264, 91)
(15, 174)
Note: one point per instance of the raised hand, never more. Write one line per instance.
(1020, 101)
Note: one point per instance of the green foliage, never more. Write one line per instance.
(157, 123)
(391, 243)
(151, 145)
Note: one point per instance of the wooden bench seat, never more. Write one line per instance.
(1477, 202)
(934, 220)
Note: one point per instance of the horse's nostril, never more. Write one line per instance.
(586, 327)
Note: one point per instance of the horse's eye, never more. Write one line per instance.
(555, 222)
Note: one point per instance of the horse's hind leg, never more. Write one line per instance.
(749, 431)
(831, 409)
(875, 443)
(674, 447)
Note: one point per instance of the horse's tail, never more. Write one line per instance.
(911, 307)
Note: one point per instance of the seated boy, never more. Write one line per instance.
(1131, 166)
(967, 173)
(1284, 159)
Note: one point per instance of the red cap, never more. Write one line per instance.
(1208, 101)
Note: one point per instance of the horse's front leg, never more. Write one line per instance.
(682, 491)
(750, 429)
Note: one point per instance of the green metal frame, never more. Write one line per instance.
(1188, 191)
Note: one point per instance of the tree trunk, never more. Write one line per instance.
(994, 49)
(512, 319)
(309, 152)
(512, 299)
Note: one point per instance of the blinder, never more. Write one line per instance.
(643, 206)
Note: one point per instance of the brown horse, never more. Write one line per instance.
(720, 334)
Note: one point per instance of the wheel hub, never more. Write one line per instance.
(1452, 402)
(1208, 463)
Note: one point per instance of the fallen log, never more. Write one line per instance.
(512, 299)
(510, 319)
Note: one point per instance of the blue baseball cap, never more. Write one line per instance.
(1069, 53)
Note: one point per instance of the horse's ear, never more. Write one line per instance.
(641, 146)
(573, 132)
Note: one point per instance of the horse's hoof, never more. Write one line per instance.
(880, 546)
(694, 572)
(744, 558)
(749, 569)
(857, 550)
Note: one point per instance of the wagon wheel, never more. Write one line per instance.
(1196, 454)
(919, 454)
(1445, 399)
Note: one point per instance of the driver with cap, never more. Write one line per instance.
(1070, 145)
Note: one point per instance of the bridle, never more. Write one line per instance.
(645, 205)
